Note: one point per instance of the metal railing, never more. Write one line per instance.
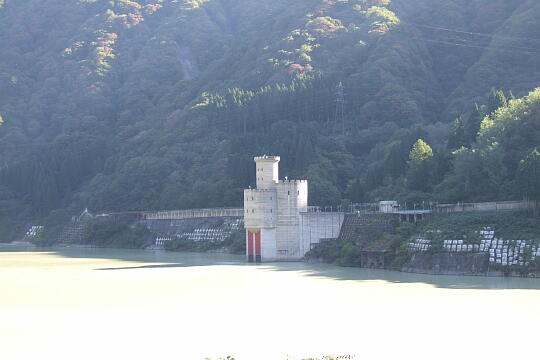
(484, 206)
(192, 213)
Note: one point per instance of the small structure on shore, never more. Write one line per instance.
(388, 207)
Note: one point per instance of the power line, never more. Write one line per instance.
(471, 33)
(509, 50)
(463, 42)
(507, 46)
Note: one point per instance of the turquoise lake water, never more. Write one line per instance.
(68, 303)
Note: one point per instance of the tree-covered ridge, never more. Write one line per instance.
(129, 105)
(489, 167)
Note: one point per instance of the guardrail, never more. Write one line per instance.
(485, 206)
(193, 213)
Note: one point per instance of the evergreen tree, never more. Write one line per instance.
(441, 165)
(473, 125)
(496, 100)
(355, 191)
(395, 163)
(457, 137)
(529, 177)
(304, 153)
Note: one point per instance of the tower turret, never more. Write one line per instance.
(267, 171)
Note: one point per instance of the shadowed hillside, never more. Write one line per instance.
(128, 105)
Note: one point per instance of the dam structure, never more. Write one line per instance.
(280, 226)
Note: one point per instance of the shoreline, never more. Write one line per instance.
(18, 243)
(489, 274)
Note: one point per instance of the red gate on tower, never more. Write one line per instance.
(254, 246)
(258, 246)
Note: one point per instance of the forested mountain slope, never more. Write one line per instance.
(127, 105)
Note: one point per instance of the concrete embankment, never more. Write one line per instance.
(448, 264)
(469, 264)
(18, 243)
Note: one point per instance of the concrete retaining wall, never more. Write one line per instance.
(448, 264)
(210, 229)
(315, 226)
(485, 206)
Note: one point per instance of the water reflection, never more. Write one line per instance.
(152, 304)
(157, 259)
(440, 281)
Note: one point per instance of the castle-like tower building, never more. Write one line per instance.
(273, 214)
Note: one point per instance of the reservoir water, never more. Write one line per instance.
(64, 303)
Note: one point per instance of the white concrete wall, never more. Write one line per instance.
(288, 219)
(302, 189)
(388, 206)
(317, 226)
(268, 245)
(266, 171)
(260, 208)
(288, 242)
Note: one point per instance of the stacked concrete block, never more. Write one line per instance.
(420, 244)
(213, 230)
(502, 252)
(161, 241)
(34, 231)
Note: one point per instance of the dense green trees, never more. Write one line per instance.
(496, 100)
(457, 137)
(420, 153)
(420, 166)
(494, 166)
(473, 125)
(163, 104)
(119, 234)
(529, 176)
(47, 175)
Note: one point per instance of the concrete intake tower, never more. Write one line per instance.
(272, 213)
(278, 223)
